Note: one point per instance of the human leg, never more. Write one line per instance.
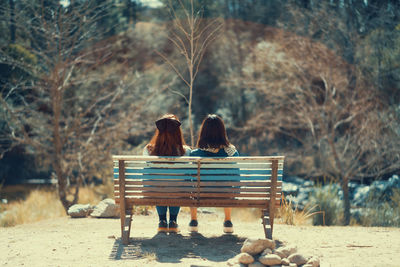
(228, 226)
(162, 215)
(173, 216)
(193, 225)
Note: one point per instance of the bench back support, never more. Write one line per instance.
(198, 182)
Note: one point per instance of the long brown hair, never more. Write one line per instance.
(212, 133)
(168, 139)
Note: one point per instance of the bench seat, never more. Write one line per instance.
(251, 182)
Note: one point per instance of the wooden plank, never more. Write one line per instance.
(122, 202)
(192, 165)
(203, 177)
(202, 184)
(199, 203)
(192, 189)
(194, 171)
(195, 159)
(273, 194)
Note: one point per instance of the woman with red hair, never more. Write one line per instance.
(167, 141)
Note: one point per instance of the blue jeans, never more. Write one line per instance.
(162, 210)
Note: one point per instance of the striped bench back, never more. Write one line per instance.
(198, 182)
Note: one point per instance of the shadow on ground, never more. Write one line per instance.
(172, 248)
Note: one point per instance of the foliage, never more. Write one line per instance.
(326, 198)
(290, 215)
(379, 212)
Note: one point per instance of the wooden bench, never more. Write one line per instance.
(254, 182)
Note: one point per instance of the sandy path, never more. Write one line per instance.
(95, 242)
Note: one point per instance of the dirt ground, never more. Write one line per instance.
(96, 242)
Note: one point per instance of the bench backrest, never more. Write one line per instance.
(198, 182)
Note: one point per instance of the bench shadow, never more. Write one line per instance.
(173, 247)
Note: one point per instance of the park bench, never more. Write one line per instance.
(251, 182)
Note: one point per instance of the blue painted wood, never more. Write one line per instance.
(194, 178)
(194, 171)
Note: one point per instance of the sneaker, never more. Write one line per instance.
(173, 227)
(228, 227)
(193, 226)
(162, 226)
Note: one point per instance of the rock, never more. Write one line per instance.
(255, 246)
(80, 210)
(306, 265)
(106, 209)
(256, 264)
(271, 259)
(297, 258)
(285, 262)
(266, 251)
(286, 251)
(314, 262)
(292, 265)
(245, 258)
(280, 254)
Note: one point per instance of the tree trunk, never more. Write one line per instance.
(12, 21)
(344, 183)
(346, 201)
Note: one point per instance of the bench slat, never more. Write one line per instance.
(265, 183)
(195, 159)
(204, 177)
(194, 171)
(193, 189)
(245, 165)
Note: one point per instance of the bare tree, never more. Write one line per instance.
(73, 108)
(191, 36)
(310, 95)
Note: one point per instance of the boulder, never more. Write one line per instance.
(256, 264)
(297, 258)
(80, 210)
(245, 258)
(314, 262)
(286, 251)
(266, 251)
(270, 259)
(106, 209)
(285, 262)
(255, 246)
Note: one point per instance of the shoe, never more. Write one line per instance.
(193, 226)
(162, 226)
(228, 227)
(173, 227)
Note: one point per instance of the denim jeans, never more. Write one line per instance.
(162, 210)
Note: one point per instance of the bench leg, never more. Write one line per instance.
(267, 224)
(126, 229)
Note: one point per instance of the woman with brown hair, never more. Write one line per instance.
(167, 141)
(213, 142)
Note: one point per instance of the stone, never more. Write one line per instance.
(106, 209)
(266, 251)
(245, 258)
(285, 262)
(286, 251)
(314, 262)
(270, 259)
(255, 246)
(297, 258)
(256, 264)
(306, 265)
(280, 254)
(79, 210)
(292, 265)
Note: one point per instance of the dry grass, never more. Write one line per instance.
(287, 214)
(42, 204)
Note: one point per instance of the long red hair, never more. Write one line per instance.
(167, 143)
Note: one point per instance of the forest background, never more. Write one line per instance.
(316, 81)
